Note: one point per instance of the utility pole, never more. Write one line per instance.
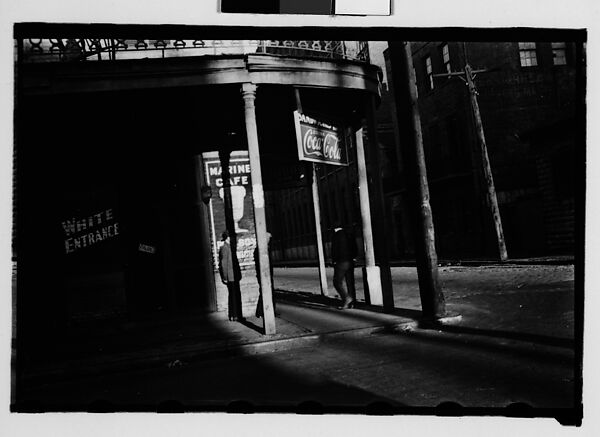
(468, 75)
(432, 297)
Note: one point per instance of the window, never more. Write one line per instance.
(527, 54)
(559, 53)
(446, 58)
(429, 71)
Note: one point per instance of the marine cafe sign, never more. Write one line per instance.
(319, 141)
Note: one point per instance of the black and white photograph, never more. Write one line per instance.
(348, 222)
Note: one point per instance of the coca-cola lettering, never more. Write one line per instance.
(323, 144)
(319, 141)
(332, 149)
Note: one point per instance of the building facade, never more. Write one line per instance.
(133, 156)
(528, 95)
(524, 89)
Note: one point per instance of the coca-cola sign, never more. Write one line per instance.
(319, 141)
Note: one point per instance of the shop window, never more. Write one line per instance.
(527, 54)
(559, 53)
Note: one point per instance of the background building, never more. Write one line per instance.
(527, 101)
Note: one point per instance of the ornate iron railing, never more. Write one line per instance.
(65, 50)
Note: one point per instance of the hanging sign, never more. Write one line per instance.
(319, 141)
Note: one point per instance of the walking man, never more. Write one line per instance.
(343, 252)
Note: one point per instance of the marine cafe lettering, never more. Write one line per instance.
(319, 141)
(87, 231)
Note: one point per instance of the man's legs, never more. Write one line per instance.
(350, 280)
(231, 301)
(339, 274)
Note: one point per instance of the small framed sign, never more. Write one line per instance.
(319, 141)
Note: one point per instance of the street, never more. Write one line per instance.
(513, 345)
(399, 368)
(533, 299)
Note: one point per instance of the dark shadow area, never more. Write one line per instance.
(449, 409)
(519, 409)
(509, 335)
(310, 407)
(248, 323)
(170, 407)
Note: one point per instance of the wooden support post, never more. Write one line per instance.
(432, 298)
(204, 220)
(487, 169)
(235, 294)
(373, 292)
(376, 190)
(317, 212)
(249, 95)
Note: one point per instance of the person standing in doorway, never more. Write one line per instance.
(228, 277)
(343, 252)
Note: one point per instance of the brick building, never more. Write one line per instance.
(528, 104)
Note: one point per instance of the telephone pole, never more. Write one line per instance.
(433, 303)
(468, 75)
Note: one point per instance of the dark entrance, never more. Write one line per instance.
(108, 206)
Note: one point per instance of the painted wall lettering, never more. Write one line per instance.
(82, 232)
(241, 200)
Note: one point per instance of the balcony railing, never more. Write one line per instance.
(70, 50)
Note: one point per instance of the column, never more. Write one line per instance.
(204, 220)
(381, 234)
(373, 292)
(249, 95)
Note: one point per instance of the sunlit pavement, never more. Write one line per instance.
(514, 344)
(532, 299)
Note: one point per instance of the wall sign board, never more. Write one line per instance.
(242, 203)
(319, 141)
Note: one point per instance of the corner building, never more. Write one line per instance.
(133, 156)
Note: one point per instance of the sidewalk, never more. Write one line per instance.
(302, 320)
(529, 306)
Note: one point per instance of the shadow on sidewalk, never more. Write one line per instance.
(319, 301)
(509, 335)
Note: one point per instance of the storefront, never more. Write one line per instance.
(129, 171)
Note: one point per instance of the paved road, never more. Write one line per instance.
(404, 368)
(534, 299)
(478, 364)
